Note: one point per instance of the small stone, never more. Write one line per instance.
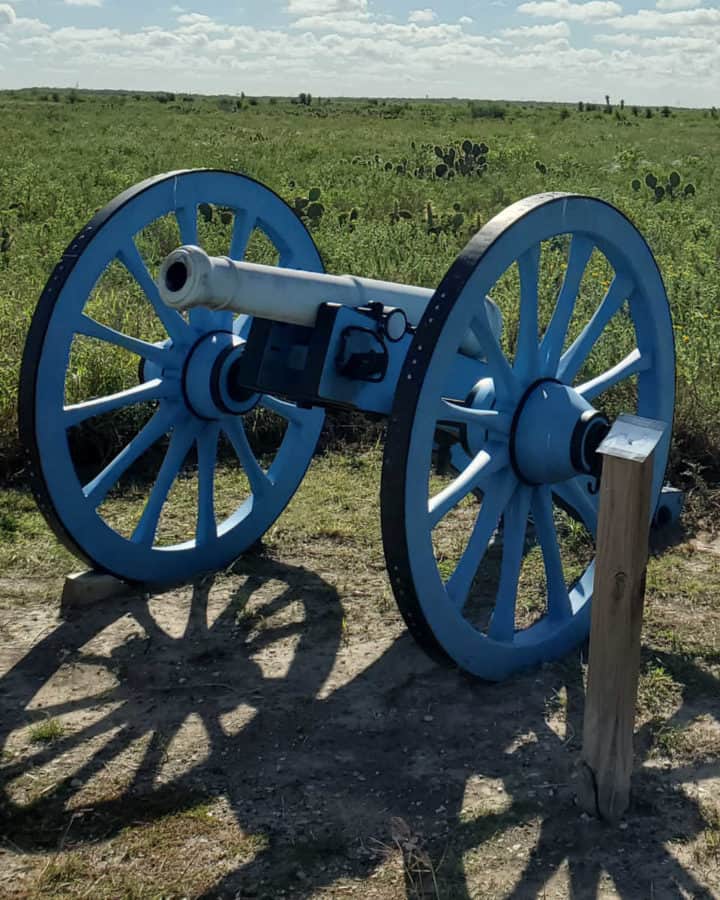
(428, 718)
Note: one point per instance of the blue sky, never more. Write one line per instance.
(661, 51)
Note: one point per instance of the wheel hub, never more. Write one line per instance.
(205, 377)
(555, 434)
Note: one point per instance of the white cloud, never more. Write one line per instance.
(677, 4)
(465, 20)
(422, 16)
(409, 34)
(531, 32)
(654, 20)
(693, 43)
(356, 53)
(593, 11)
(7, 14)
(193, 18)
(325, 7)
(84, 2)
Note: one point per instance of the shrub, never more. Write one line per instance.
(480, 110)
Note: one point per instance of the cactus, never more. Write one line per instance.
(206, 211)
(635, 184)
(651, 181)
(348, 218)
(541, 167)
(441, 170)
(6, 240)
(315, 210)
(674, 180)
(314, 194)
(689, 190)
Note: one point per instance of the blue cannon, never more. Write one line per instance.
(504, 410)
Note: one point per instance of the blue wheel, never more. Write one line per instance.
(587, 334)
(101, 305)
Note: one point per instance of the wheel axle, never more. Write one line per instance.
(554, 434)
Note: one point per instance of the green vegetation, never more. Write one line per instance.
(390, 190)
(46, 732)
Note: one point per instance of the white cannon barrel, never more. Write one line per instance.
(189, 278)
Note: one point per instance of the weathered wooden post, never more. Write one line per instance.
(622, 552)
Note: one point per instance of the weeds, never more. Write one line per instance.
(47, 732)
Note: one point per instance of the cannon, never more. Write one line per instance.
(491, 416)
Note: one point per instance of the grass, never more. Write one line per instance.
(47, 732)
(197, 842)
(707, 848)
(141, 846)
(657, 692)
(65, 155)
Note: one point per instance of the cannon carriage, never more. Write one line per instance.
(514, 419)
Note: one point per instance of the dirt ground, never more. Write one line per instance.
(274, 732)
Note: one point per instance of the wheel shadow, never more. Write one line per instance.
(347, 756)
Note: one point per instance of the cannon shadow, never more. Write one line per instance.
(348, 756)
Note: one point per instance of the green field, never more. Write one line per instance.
(63, 155)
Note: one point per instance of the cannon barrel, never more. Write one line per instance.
(189, 278)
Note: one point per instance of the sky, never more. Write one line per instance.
(644, 51)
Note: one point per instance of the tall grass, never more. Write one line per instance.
(64, 155)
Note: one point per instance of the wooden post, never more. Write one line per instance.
(617, 611)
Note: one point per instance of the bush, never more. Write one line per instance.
(479, 110)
